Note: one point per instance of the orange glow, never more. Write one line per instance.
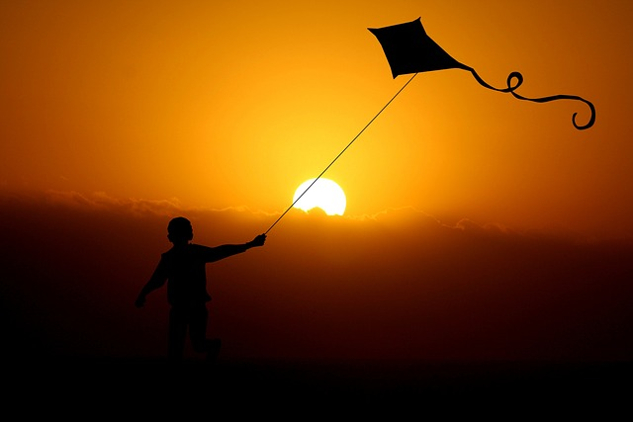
(236, 104)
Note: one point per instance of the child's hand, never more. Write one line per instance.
(259, 240)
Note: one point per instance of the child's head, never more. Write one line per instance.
(179, 230)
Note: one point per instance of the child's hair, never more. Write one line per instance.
(179, 228)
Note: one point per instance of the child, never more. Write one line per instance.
(183, 268)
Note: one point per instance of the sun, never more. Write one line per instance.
(324, 194)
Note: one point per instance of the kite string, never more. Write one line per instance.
(341, 153)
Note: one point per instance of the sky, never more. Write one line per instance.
(472, 218)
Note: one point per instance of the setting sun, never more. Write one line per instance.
(324, 194)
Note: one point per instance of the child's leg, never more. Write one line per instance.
(177, 333)
(198, 328)
(198, 334)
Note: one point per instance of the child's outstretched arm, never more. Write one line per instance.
(224, 251)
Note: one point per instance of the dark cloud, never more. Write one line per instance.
(399, 284)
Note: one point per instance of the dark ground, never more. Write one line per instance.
(326, 388)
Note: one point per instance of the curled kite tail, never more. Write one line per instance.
(515, 80)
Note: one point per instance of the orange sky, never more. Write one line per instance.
(238, 103)
(118, 116)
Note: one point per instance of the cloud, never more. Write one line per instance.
(102, 201)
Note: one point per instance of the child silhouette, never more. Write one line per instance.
(183, 268)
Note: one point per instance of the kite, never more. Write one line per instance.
(410, 50)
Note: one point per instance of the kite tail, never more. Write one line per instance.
(515, 80)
